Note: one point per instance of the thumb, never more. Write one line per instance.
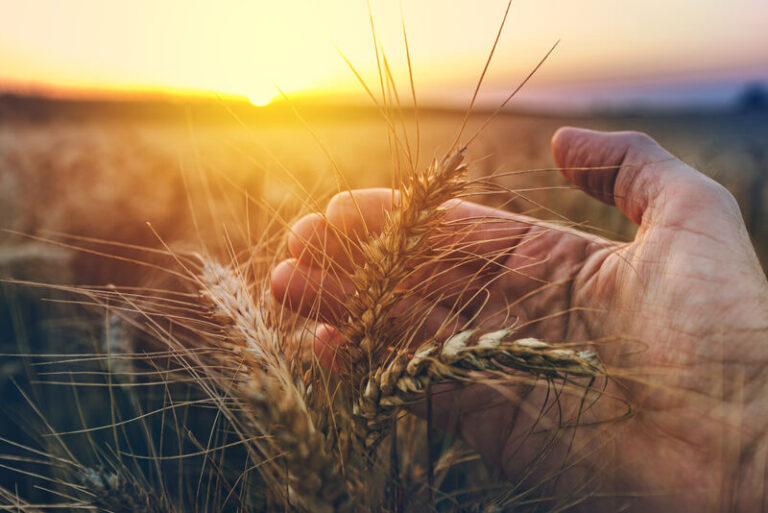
(631, 171)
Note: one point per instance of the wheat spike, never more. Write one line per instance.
(273, 402)
(298, 450)
(404, 378)
(387, 258)
(232, 305)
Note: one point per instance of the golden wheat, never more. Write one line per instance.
(299, 460)
(297, 457)
(405, 379)
(387, 258)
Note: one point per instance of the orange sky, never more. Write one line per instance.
(244, 47)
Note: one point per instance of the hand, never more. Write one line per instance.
(682, 311)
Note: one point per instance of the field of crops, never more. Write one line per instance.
(93, 202)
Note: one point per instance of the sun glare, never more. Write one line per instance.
(240, 48)
(261, 100)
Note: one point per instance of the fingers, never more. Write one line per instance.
(360, 212)
(630, 170)
(316, 292)
(471, 246)
(314, 241)
(310, 290)
(482, 259)
(327, 342)
(333, 238)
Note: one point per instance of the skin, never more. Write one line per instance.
(682, 313)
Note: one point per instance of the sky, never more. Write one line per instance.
(607, 50)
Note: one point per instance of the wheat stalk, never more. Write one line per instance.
(11, 501)
(404, 379)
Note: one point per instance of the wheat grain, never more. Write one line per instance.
(273, 401)
(299, 452)
(253, 339)
(387, 258)
(404, 378)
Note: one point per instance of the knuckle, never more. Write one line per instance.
(339, 202)
(721, 195)
(304, 234)
(705, 194)
(638, 139)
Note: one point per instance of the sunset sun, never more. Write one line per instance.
(261, 98)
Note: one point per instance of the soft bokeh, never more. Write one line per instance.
(665, 49)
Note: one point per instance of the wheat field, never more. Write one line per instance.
(145, 366)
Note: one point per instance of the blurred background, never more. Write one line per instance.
(650, 54)
(208, 126)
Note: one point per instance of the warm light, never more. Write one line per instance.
(261, 100)
(246, 48)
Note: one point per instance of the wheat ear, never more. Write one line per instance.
(231, 304)
(387, 258)
(273, 402)
(299, 451)
(403, 379)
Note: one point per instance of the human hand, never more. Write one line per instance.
(685, 306)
